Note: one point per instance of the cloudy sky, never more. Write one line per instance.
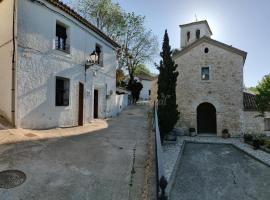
(245, 24)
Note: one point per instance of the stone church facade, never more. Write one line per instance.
(210, 89)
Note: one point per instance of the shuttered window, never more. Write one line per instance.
(62, 92)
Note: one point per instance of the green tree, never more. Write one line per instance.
(139, 45)
(107, 16)
(120, 77)
(167, 107)
(263, 96)
(142, 69)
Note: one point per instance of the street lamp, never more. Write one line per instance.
(92, 60)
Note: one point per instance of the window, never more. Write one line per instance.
(100, 54)
(62, 92)
(206, 50)
(205, 73)
(188, 36)
(267, 124)
(198, 34)
(149, 92)
(61, 41)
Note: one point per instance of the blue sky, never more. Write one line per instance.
(245, 24)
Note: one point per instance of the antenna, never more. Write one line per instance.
(196, 18)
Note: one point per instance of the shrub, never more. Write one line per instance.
(256, 144)
(191, 130)
(248, 137)
(225, 131)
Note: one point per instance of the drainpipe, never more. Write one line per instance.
(13, 84)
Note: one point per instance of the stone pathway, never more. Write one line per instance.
(219, 172)
(173, 152)
(90, 162)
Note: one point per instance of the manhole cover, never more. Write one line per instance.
(11, 178)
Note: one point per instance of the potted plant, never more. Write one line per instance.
(248, 138)
(192, 132)
(225, 133)
(256, 143)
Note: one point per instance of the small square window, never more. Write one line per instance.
(205, 73)
(62, 91)
(61, 40)
(267, 124)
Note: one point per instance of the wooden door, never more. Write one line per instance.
(80, 117)
(95, 104)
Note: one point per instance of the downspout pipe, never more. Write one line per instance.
(13, 84)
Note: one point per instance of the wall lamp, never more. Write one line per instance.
(92, 60)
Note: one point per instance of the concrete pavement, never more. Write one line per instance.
(78, 163)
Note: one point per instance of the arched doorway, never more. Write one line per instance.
(206, 118)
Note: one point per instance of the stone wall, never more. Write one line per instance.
(224, 89)
(204, 31)
(253, 123)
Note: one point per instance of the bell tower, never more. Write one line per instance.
(194, 31)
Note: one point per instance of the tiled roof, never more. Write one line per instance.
(213, 42)
(147, 77)
(85, 22)
(249, 102)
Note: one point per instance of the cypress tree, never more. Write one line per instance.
(168, 114)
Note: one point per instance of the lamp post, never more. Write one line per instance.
(92, 60)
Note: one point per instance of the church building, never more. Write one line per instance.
(210, 90)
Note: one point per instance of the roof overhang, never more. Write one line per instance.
(213, 42)
(82, 20)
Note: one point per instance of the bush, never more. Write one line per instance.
(225, 131)
(267, 144)
(248, 137)
(191, 130)
(256, 144)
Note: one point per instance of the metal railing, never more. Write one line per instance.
(160, 174)
(62, 46)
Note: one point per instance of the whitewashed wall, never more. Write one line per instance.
(121, 102)
(39, 63)
(145, 91)
(6, 49)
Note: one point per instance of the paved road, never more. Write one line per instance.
(219, 172)
(92, 166)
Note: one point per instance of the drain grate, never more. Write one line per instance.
(11, 178)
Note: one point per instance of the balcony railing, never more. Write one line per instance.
(62, 45)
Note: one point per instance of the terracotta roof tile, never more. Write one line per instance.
(249, 101)
(85, 22)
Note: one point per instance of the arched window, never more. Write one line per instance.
(198, 34)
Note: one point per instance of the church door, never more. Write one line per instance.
(206, 118)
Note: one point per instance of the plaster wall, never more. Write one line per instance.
(6, 53)
(39, 63)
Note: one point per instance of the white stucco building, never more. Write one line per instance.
(147, 81)
(43, 81)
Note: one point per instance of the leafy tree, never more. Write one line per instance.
(253, 89)
(139, 45)
(106, 15)
(135, 87)
(167, 107)
(142, 69)
(263, 96)
(120, 77)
